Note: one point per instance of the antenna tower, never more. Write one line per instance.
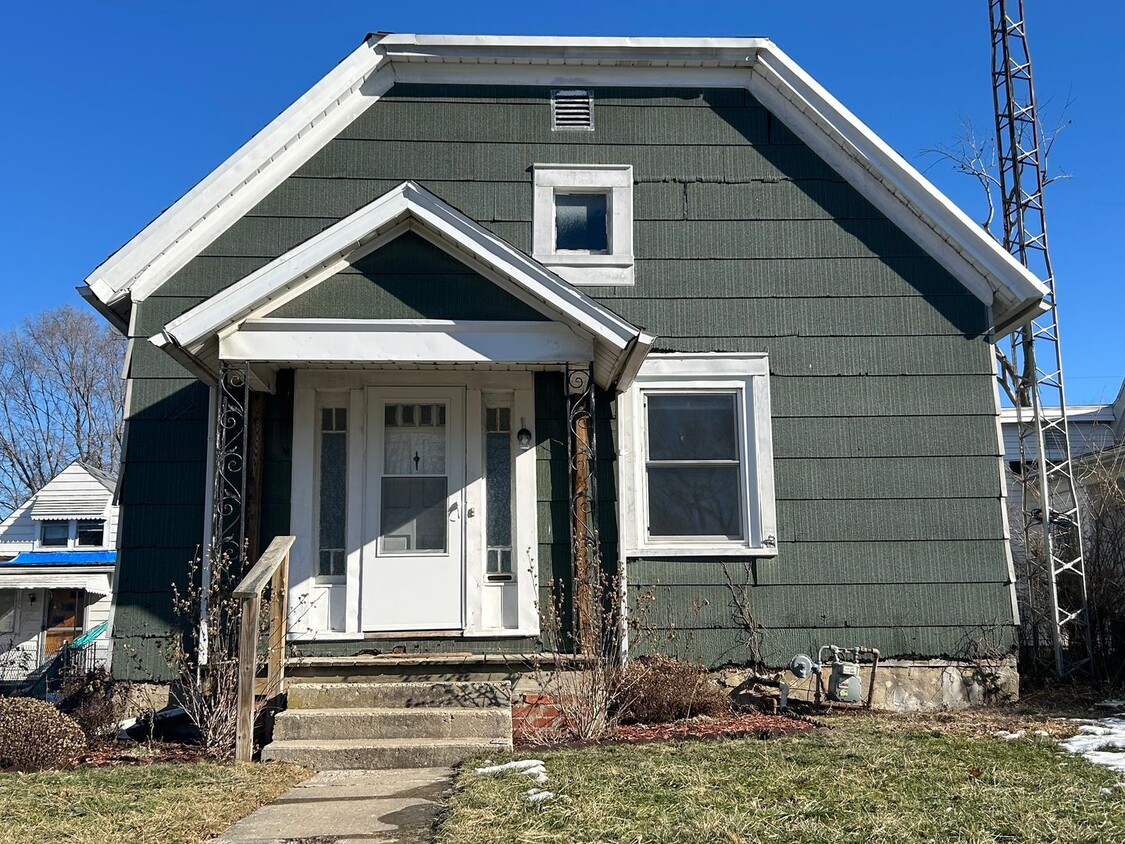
(1052, 583)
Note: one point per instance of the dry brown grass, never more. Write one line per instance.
(141, 804)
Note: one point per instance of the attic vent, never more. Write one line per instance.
(572, 110)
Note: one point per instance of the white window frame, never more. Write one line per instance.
(15, 615)
(613, 267)
(746, 375)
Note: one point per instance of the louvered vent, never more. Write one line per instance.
(572, 110)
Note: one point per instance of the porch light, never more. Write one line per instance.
(523, 437)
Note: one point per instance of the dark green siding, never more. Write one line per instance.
(883, 412)
(409, 278)
(162, 497)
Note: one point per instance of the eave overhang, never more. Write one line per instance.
(896, 188)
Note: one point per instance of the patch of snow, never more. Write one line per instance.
(1110, 704)
(1042, 733)
(1092, 739)
(539, 772)
(534, 795)
(518, 765)
(1006, 736)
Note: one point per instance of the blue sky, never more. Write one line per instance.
(113, 109)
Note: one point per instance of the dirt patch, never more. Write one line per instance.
(734, 725)
(111, 754)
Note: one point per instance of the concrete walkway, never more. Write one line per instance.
(349, 807)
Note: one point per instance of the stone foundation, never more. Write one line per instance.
(925, 685)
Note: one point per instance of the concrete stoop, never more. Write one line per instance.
(342, 726)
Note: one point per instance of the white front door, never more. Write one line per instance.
(412, 562)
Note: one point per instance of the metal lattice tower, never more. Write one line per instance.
(1053, 587)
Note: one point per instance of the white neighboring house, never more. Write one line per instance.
(1092, 429)
(57, 559)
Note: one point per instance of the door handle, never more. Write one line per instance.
(472, 511)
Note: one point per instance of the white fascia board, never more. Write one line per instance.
(334, 341)
(325, 250)
(261, 164)
(671, 52)
(897, 189)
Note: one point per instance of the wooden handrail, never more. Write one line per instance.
(271, 570)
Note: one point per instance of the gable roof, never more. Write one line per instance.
(881, 175)
(618, 345)
(77, 492)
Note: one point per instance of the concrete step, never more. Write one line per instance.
(389, 723)
(399, 695)
(372, 754)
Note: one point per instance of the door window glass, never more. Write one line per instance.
(415, 487)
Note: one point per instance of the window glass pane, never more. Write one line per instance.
(8, 610)
(413, 514)
(694, 501)
(54, 534)
(692, 427)
(580, 222)
(412, 448)
(333, 483)
(498, 499)
(90, 532)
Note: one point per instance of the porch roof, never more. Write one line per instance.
(235, 324)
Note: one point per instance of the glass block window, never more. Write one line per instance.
(90, 532)
(581, 222)
(498, 489)
(332, 492)
(54, 534)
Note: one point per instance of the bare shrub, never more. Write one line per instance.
(34, 736)
(96, 702)
(663, 689)
(1102, 481)
(205, 658)
(586, 648)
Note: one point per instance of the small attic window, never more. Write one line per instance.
(572, 110)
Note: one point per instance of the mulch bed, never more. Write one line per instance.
(735, 725)
(111, 754)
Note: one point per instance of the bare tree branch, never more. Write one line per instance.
(61, 397)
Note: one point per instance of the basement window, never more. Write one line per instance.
(583, 222)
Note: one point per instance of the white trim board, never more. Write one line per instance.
(880, 174)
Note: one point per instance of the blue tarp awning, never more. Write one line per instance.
(63, 558)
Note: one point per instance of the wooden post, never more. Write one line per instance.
(583, 597)
(279, 590)
(247, 668)
(271, 570)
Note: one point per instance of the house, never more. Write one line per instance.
(476, 315)
(1095, 435)
(57, 560)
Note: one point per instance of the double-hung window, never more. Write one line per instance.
(699, 475)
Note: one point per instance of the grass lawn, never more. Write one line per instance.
(865, 780)
(136, 804)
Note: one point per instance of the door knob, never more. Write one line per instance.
(472, 511)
